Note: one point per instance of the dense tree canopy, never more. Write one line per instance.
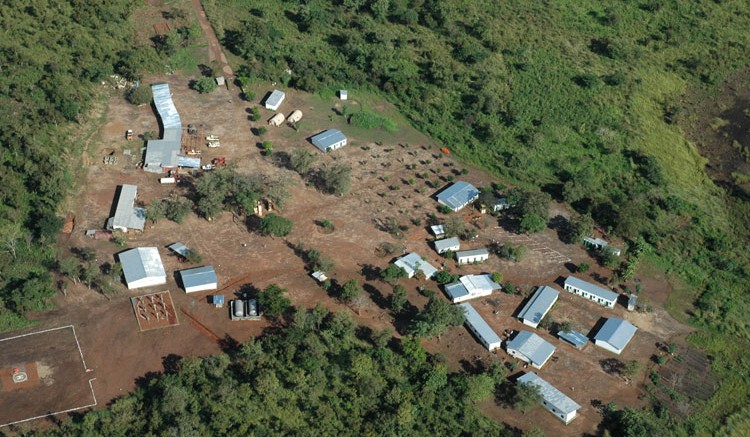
(317, 375)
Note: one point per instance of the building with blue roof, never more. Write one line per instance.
(538, 306)
(575, 338)
(531, 348)
(615, 335)
(331, 139)
(161, 154)
(591, 291)
(476, 324)
(557, 403)
(199, 279)
(458, 195)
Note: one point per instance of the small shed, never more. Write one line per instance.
(438, 231)
(343, 94)
(179, 248)
(274, 100)
(453, 244)
(220, 81)
(472, 256)
(218, 300)
(575, 338)
(295, 116)
(320, 276)
(199, 279)
(632, 302)
(276, 120)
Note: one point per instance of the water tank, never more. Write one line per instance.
(239, 310)
(252, 307)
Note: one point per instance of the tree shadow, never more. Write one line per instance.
(370, 272)
(376, 296)
(560, 225)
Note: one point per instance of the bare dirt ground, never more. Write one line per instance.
(394, 175)
(57, 378)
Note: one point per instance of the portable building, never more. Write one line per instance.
(274, 100)
(538, 306)
(343, 94)
(199, 279)
(329, 140)
(531, 348)
(479, 327)
(590, 291)
(472, 256)
(276, 120)
(553, 400)
(442, 246)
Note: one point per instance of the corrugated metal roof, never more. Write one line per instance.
(458, 195)
(574, 337)
(475, 283)
(437, 230)
(328, 138)
(179, 248)
(198, 276)
(163, 152)
(553, 396)
(412, 261)
(445, 244)
(541, 302)
(473, 252)
(126, 214)
(456, 290)
(275, 99)
(537, 349)
(477, 323)
(591, 288)
(217, 299)
(617, 332)
(141, 263)
(188, 162)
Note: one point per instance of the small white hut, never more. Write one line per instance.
(276, 120)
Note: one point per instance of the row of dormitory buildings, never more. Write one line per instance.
(527, 346)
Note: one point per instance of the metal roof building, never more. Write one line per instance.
(591, 291)
(142, 267)
(472, 256)
(331, 139)
(162, 154)
(274, 100)
(199, 279)
(179, 249)
(471, 287)
(188, 161)
(127, 216)
(553, 400)
(458, 195)
(476, 324)
(452, 243)
(615, 335)
(413, 262)
(538, 305)
(531, 348)
(575, 338)
(438, 230)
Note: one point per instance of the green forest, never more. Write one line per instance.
(580, 100)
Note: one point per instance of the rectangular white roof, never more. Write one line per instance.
(275, 99)
(458, 195)
(551, 395)
(126, 214)
(413, 262)
(477, 283)
(617, 332)
(591, 288)
(539, 304)
(478, 325)
(447, 243)
(141, 263)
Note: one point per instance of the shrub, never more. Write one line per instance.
(273, 224)
(140, 95)
(583, 267)
(204, 85)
